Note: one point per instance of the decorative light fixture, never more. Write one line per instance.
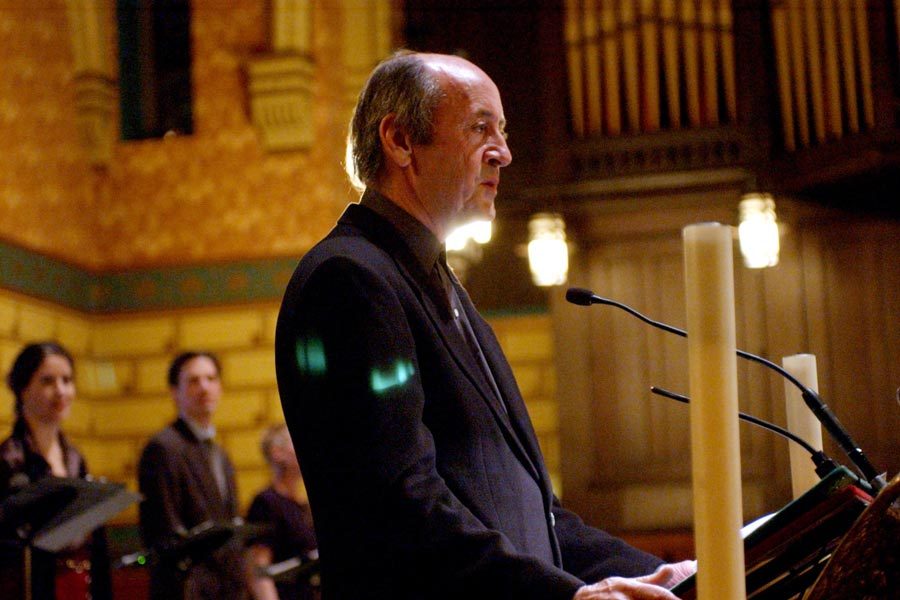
(758, 230)
(463, 246)
(548, 253)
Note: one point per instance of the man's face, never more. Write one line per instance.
(459, 171)
(199, 389)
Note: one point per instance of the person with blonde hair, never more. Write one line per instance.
(283, 508)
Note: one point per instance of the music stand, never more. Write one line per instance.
(32, 507)
(198, 542)
(53, 513)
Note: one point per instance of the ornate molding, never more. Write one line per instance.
(367, 40)
(95, 91)
(95, 98)
(711, 148)
(280, 88)
(291, 26)
(280, 82)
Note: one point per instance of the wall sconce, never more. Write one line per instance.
(758, 230)
(463, 246)
(548, 253)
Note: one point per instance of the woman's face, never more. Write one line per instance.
(49, 395)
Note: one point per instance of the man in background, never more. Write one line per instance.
(187, 480)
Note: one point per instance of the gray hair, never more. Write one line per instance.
(402, 85)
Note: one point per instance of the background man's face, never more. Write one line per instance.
(199, 389)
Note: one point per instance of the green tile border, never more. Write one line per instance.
(57, 281)
(264, 280)
(35, 275)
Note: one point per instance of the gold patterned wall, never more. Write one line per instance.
(46, 187)
(213, 196)
(216, 194)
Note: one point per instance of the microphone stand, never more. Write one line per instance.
(824, 465)
(827, 418)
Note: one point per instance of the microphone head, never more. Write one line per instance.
(580, 296)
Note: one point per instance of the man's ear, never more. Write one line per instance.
(395, 142)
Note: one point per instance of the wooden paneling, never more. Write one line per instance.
(834, 294)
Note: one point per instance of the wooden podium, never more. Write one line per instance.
(866, 563)
(835, 541)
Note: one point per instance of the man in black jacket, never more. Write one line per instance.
(423, 470)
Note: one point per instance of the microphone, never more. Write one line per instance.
(829, 421)
(824, 465)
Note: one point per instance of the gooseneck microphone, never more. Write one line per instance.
(824, 465)
(829, 421)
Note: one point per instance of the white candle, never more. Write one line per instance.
(801, 421)
(715, 442)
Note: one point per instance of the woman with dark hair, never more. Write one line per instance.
(42, 379)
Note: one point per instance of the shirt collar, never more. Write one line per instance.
(201, 432)
(423, 244)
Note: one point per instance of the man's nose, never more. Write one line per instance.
(499, 155)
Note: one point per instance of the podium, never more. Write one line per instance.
(866, 564)
(834, 541)
(47, 516)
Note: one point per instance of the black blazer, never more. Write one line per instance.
(180, 492)
(413, 466)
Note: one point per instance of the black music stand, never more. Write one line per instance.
(175, 556)
(195, 544)
(51, 514)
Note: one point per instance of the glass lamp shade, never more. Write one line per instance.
(548, 252)
(758, 231)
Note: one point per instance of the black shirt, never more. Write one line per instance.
(291, 535)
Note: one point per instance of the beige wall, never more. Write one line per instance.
(121, 378)
(833, 294)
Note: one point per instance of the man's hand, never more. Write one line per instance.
(648, 587)
(674, 573)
